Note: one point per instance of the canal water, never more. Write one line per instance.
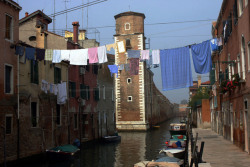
(134, 147)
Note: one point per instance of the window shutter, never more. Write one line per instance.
(59, 75)
(31, 72)
(7, 27)
(226, 73)
(73, 89)
(83, 91)
(88, 93)
(212, 75)
(36, 73)
(96, 94)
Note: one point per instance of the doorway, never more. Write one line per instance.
(245, 126)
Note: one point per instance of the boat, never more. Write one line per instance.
(174, 152)
(177, 129)
(61, 153)
(172, 160)
(108, 139)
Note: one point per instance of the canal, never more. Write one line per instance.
(134, 147)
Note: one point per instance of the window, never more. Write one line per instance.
(88, 92)
(34, 114)
(127, 26)
(248, 47)
(240, 7)
(84, 92)
(129, 98)
(58, 114)
(57, 75)
(243, 58)
(75, 121)
(246, 3)
(8, 27)
(8, 81)
(245, 105)
(8, 124)
(72, 89)
(235, 12)
(129, 80)
(103, 92)
(95, 69)
(238, 63)
(96, 94)
(34, 72)
(128, 44)
(229, 68)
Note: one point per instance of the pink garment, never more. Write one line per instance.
(93, 55)
(145, 54)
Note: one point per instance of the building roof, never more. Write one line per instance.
(14, 4)
(205, 83)
(38, 12)
(129, 14)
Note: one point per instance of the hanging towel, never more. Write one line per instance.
(62, 93)
(156, 56)
(51, 88)
(56, 56)
(121, 47)
(30, 53)
(214, 44)
(102, 54)
(44, 86)
(48, 54)
(145, 54)
(65, 55)
(19, 50)
(55, 89)
(40, 53)
(113, 69)
(79, 57)
(149, 62)
(176, 68)
(121, 67)
(134, 66)
(111, 46)
(93, 55)
(133, 53)
(201, 54)
(127, 67)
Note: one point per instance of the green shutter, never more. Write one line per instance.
(36, 73)
(96, 94)
(227, 74)
(212, 75)
(55, 75)
(31, 72)
(83, 91)
(59, 75)
(74, 89)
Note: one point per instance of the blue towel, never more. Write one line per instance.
(175, 68)
(19, 50)
(30, 53)
(113, 69)
(214, 44)
(134, 53)
(201, 54)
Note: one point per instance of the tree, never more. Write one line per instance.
(184, 101)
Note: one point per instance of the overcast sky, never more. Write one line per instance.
(100, 18)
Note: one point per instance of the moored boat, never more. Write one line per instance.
(177, 129)
(111, 138)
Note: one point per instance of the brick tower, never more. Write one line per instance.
(129, 89)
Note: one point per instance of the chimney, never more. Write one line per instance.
(75, 31)
(26, 14)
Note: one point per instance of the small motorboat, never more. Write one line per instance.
(174, 152)
(178, 129)
(108, 139)
(61, 153)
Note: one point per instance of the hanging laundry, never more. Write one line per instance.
(149, 61)
(134, 66)
(65, 55)
(214, 44)
(44, 86)
(40, 53)
(56, 56)
(51, 88)
(30, 53)
(176, 68)
(127, 67)
(202, 60)
(113, 69)
(145, 54)
(49, 54)
(134, 53)
(121, 47)
(219, 40)
(121, 67)
(55, 89)
(156, 56)
(111, 46)
(102, 54)
(19, 50)
(93, 55)
(79, 57)
(62, 93)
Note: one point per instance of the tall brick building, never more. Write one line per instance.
(136, 95)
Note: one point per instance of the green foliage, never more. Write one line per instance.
(202, 93)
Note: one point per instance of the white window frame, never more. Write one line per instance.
(125, 26)
(11, 79)
(128, 80)
(37, 113)
(248, 48)
(243, 57)
(131, 99)
(238, 63)
(229, 68)
(241, 6)
(11, 28)
(11, 131)
(103, 92)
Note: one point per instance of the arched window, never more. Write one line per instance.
(127, 26)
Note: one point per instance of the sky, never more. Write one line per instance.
(168, 24)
